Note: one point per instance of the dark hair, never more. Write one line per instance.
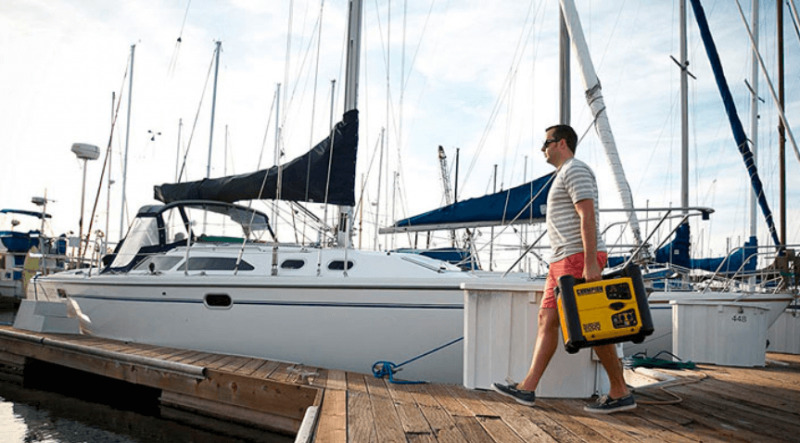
(565, 132)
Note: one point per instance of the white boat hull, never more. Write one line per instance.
(326, 324)
(661, 312)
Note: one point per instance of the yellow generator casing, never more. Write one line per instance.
(611, 310)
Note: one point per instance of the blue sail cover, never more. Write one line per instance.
(733, 116)
(522, 204)
(677, 251)
(325, 174)
(733, 262)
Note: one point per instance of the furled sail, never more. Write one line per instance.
(325, 174)
(525, 203)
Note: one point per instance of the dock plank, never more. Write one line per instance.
(336, 380)
(471, 428)
(542, 419)
(360, 418)
(694, 426)
(250, 367)
(388, 426)
(332, 426)
(442, 425)
(740, 416)
(411, 417)
(443, 396)
(521, 425)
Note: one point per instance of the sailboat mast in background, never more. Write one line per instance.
(350, 102)
(125, 158)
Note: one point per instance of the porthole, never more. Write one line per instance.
(293, 264)
(338, 265)
(218, 301)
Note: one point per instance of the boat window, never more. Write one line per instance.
(338, 265)
(160, 263)
(218, 300)
(142, 233)
(175, 229)
(217, 264)
(292, 264)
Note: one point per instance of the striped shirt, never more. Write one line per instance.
(574, 182)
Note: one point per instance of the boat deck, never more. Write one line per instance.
(708, 404)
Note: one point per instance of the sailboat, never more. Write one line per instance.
(725, 275)
(26, 248)
(740, 282)
(201, 272)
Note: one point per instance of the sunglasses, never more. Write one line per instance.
(548, 141)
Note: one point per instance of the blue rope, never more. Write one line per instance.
(384, 368)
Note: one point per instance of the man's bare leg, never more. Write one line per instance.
(613, 366)
(546, 344)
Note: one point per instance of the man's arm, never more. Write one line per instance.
(585, 210)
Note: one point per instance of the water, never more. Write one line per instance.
(93, 409)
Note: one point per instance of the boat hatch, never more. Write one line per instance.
(219, 301)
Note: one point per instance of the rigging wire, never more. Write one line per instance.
(173, 62)
(287, 62)
(526, 32)
(290, 99)
(314, 102)
(196, 117)
(106, 160)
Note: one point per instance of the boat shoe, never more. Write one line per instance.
(608, 405)
(510, 390)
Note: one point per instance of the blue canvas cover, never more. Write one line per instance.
(525, 203)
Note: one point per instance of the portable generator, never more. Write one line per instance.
(611, 310)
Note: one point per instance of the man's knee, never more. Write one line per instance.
(548, 319)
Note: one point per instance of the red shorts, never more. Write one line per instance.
(572, 265)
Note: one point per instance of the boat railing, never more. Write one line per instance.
(762, 279)
(641, 252)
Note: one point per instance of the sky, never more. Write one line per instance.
(474, 77)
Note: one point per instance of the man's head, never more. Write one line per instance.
(559, 145)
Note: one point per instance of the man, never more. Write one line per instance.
(579, 251)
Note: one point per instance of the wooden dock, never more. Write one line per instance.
(708, 404)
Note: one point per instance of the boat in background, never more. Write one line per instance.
(25, 249)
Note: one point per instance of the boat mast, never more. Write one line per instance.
(213, 109)
(754, 112)
(781, 128)
(564, 70)
(125, 158)
(350, 101)
(277, 157)
(594, 98)
(684, 63)
(109, 182)
(178, 149)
